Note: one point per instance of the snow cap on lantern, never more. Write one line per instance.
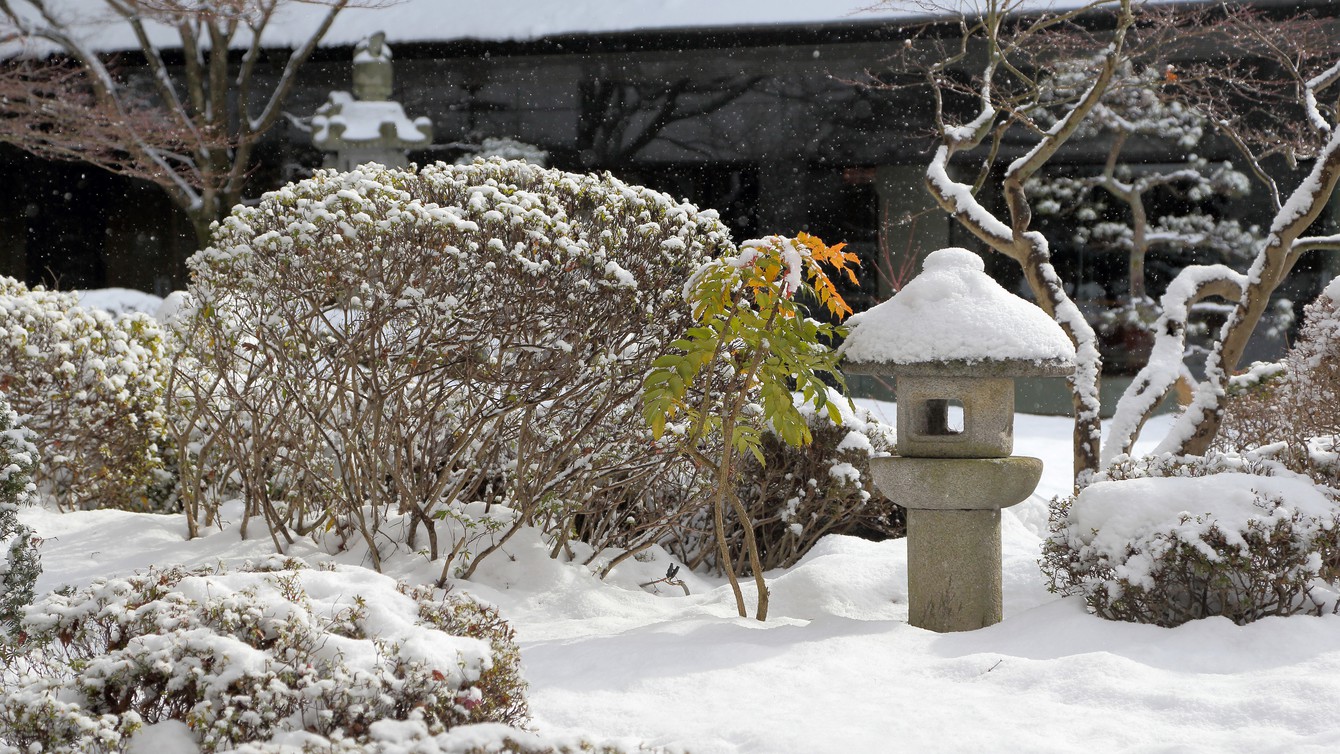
(953, 337)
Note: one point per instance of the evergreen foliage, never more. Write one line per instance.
(21, 565)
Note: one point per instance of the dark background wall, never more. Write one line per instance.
(765, 126)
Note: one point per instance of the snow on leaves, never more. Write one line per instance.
(751, 341)
(276, 651)
(20, 566)
(751, 326)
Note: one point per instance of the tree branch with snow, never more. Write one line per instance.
(1005, 95)
(1020, 102)
(193, 133)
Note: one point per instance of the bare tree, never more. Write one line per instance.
(999, 109)
(1303, 130)
(1141, 109)
(621, 118)
(52, 112)
(444, 377)
(988, 96)
(190, 128)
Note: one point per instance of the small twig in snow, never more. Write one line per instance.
(670, 579)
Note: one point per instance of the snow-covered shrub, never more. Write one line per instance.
(386, 342)
(660, 509)
(500, 686)
(273, 653)
(802, 493)
(1290, 411)
(20, 566)
(412, 737)
(1206, 541)
(90, 386)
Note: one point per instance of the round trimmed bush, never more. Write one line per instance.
(387, 342)
(91, 386)
(1169, 549)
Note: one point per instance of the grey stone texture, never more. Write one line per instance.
(964, 368)
(373, 75)
(953, 569)
(923, 421)
(953, 532)
(983, 389)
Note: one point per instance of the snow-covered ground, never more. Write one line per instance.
(836, 668)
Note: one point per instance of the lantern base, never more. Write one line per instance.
(956, 483)
(953, 569)
(953, 532)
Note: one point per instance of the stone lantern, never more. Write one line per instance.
(955, 341)
(367, 126)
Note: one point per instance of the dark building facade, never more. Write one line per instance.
(767, 126)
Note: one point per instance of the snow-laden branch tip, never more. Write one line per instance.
(1304, 200)
(1315, 84)
(958, 198)
(970, 134)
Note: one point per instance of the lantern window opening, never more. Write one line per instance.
(944, 417)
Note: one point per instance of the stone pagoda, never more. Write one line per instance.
(367, 125)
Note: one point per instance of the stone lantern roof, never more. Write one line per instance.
(956, 339)
(955, 320)
(367, 125)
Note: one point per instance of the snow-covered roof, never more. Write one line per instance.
(345, 121)
(954, 312)
(519, 20)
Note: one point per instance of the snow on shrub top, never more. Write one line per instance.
(278, 654)
(954, 311)
(575, 270)
(1319, 339)
(1108, 516)
(384, 615)
(425, 240)
(1332, 291)
(420, 326)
